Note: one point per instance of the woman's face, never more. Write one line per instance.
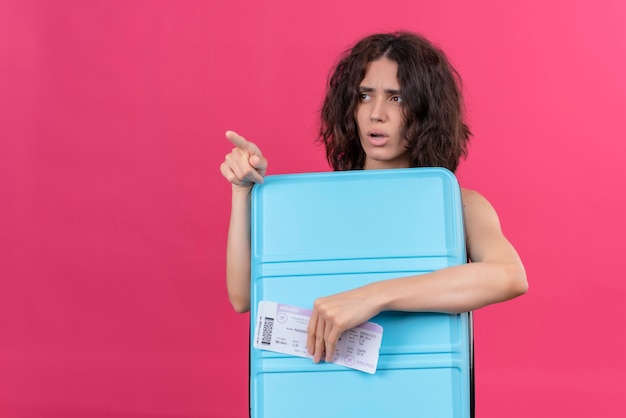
(380, 117)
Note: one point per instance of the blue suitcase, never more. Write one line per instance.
(317, 234)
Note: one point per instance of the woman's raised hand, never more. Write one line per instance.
(245, 164)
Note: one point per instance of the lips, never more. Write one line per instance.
(377, 138)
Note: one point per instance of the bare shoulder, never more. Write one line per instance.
(482, 228)
(469, 194)
(477, 207)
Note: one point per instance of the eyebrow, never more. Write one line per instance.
(365, 89)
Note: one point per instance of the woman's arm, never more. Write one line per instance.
(238, 250)
(242, 167)
(495, 274)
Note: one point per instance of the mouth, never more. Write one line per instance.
(377, 138)
(377, 135)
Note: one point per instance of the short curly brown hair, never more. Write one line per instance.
(434, 123)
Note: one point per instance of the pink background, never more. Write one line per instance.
(113, 214)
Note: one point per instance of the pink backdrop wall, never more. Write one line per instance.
(113, 214)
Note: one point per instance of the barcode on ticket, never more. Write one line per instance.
(266, 335)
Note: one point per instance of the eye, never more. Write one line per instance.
(364, 97)
(397, 99)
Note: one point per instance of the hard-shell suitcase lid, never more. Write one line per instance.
(321, 233)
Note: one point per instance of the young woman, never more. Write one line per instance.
(393, 101)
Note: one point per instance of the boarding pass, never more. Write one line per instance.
(283, 329)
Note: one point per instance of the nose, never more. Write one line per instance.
(378, 110)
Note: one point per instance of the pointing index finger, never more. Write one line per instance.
(240, 142)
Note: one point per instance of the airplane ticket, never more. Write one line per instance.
(283, 329)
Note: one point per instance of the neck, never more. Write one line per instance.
(383, 165)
